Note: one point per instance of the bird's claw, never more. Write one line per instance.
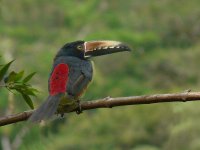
(62, 115)
(79, 109)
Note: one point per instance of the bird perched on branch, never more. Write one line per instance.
(71, 73)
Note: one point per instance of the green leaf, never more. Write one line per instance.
(29, 92)
(5, 69)
(28, 100)
(19, 76)
(18, 87)
(10, 77)
(14, 77)
(27, 78)
(34, 90)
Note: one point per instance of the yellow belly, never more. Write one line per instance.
(67, 104)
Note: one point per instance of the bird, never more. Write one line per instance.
(71, 73)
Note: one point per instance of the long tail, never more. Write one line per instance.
(47, 109)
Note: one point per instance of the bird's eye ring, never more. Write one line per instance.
(80, 47)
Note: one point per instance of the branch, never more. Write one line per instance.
(113, 102)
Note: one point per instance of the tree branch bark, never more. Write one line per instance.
(109, 102)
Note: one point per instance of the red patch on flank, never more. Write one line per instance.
(59, 79)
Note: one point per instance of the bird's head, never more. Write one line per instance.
(85, 50)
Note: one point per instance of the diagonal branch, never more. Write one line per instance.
(113, 102)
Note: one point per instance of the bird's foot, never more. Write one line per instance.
(62, 115)
(79, 109)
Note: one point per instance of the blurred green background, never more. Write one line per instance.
(164, 36)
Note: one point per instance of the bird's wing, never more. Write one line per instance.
(77, 83)
(83, 77)
(58, 79)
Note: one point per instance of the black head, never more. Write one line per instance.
(85, 50)
(74, 49)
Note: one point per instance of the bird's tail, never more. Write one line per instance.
(47, 109)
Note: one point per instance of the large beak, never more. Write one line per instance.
(98, 48)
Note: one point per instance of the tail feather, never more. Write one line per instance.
(47, 109)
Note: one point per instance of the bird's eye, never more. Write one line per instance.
(80, 47)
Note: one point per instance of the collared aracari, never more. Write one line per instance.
(71, 73)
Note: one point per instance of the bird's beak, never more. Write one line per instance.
(98, 48)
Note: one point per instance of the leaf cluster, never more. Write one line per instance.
(17, 82)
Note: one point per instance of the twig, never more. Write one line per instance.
(113, 102)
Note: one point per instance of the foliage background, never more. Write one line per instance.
(165, 38)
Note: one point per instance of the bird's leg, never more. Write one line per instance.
(62, 115)
(79, 109)
(59, 114)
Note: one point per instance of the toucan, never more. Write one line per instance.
(71, 74)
